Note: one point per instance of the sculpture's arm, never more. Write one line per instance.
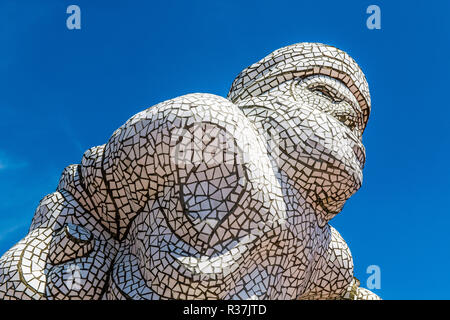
(364, 294)
(355, 292)
(22, 268)
(66, 254)
(333, 277)
(333, 272)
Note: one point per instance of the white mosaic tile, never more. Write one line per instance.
(205, 197)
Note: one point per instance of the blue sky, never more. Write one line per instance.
(63, 91)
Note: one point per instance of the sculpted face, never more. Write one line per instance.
(335, 123)
(317, 117)
(324, 125)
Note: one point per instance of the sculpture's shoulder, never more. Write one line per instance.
(202, 96)
(199, 98)
(164, 122)
(192, 104)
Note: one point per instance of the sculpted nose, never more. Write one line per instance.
(357, 147)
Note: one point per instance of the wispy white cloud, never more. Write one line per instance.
(8, 162)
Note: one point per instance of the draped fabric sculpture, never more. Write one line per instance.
(202, 197)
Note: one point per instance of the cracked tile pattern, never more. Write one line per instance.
(205, 197)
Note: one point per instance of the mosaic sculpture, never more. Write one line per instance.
(202, 197)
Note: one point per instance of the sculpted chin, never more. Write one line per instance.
(205, 197)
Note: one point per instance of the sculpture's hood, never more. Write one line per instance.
(297, 61)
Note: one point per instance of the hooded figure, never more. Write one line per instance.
(202, 197)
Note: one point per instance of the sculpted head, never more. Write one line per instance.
(318, 103)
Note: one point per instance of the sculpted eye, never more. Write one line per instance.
(342, 105)
(325, 92)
